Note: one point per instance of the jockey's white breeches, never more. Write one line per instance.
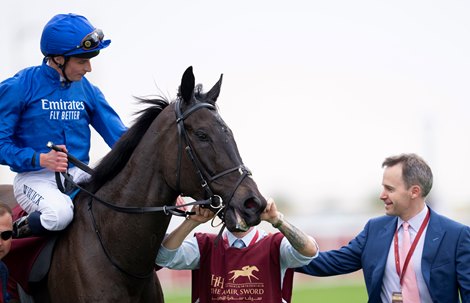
(37, 191)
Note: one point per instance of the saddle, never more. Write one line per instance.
(28, 262)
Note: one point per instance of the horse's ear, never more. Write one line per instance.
(187, 85)
(213, 94)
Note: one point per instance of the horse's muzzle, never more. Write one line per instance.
(239, 218)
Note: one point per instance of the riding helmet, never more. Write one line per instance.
(71, 35)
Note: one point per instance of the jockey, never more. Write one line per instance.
(53, 102)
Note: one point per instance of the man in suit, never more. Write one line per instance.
(438, 266)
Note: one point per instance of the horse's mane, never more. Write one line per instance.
(111, 164)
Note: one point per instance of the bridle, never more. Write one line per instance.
(217, 204)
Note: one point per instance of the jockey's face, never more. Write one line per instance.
(76, 68)
(6, 224)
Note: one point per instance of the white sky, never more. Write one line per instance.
(317, 93)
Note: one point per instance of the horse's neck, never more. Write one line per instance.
(138, 187)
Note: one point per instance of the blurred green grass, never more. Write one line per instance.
(303, 293)
(330, 294)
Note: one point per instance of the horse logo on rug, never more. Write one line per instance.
(246, 271)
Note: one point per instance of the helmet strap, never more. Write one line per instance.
(62, 68)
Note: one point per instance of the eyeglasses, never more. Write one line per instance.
(90, 41)
(6, 235)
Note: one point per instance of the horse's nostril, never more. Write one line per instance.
(251, 203)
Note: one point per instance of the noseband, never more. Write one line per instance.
(217, 204)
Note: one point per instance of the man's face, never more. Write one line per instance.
(76, 68)
(6, 223)
(396, 197)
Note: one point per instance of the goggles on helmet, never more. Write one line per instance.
(90, 41)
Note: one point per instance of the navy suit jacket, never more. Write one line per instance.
(445, 264)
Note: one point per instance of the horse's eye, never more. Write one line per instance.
(202, 135)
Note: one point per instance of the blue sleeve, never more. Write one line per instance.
(11, 104)
(105, 120)
(462, 265)
(345, 260)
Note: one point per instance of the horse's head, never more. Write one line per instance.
(208, 164)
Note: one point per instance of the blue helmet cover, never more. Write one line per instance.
(63, 34)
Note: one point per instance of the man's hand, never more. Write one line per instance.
(177, 236)
(54, 160)
(271, 214)
(202, 215)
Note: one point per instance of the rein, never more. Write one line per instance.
(174, 210)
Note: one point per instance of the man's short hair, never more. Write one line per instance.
(415, 171)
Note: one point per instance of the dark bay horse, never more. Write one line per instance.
(182, 147)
